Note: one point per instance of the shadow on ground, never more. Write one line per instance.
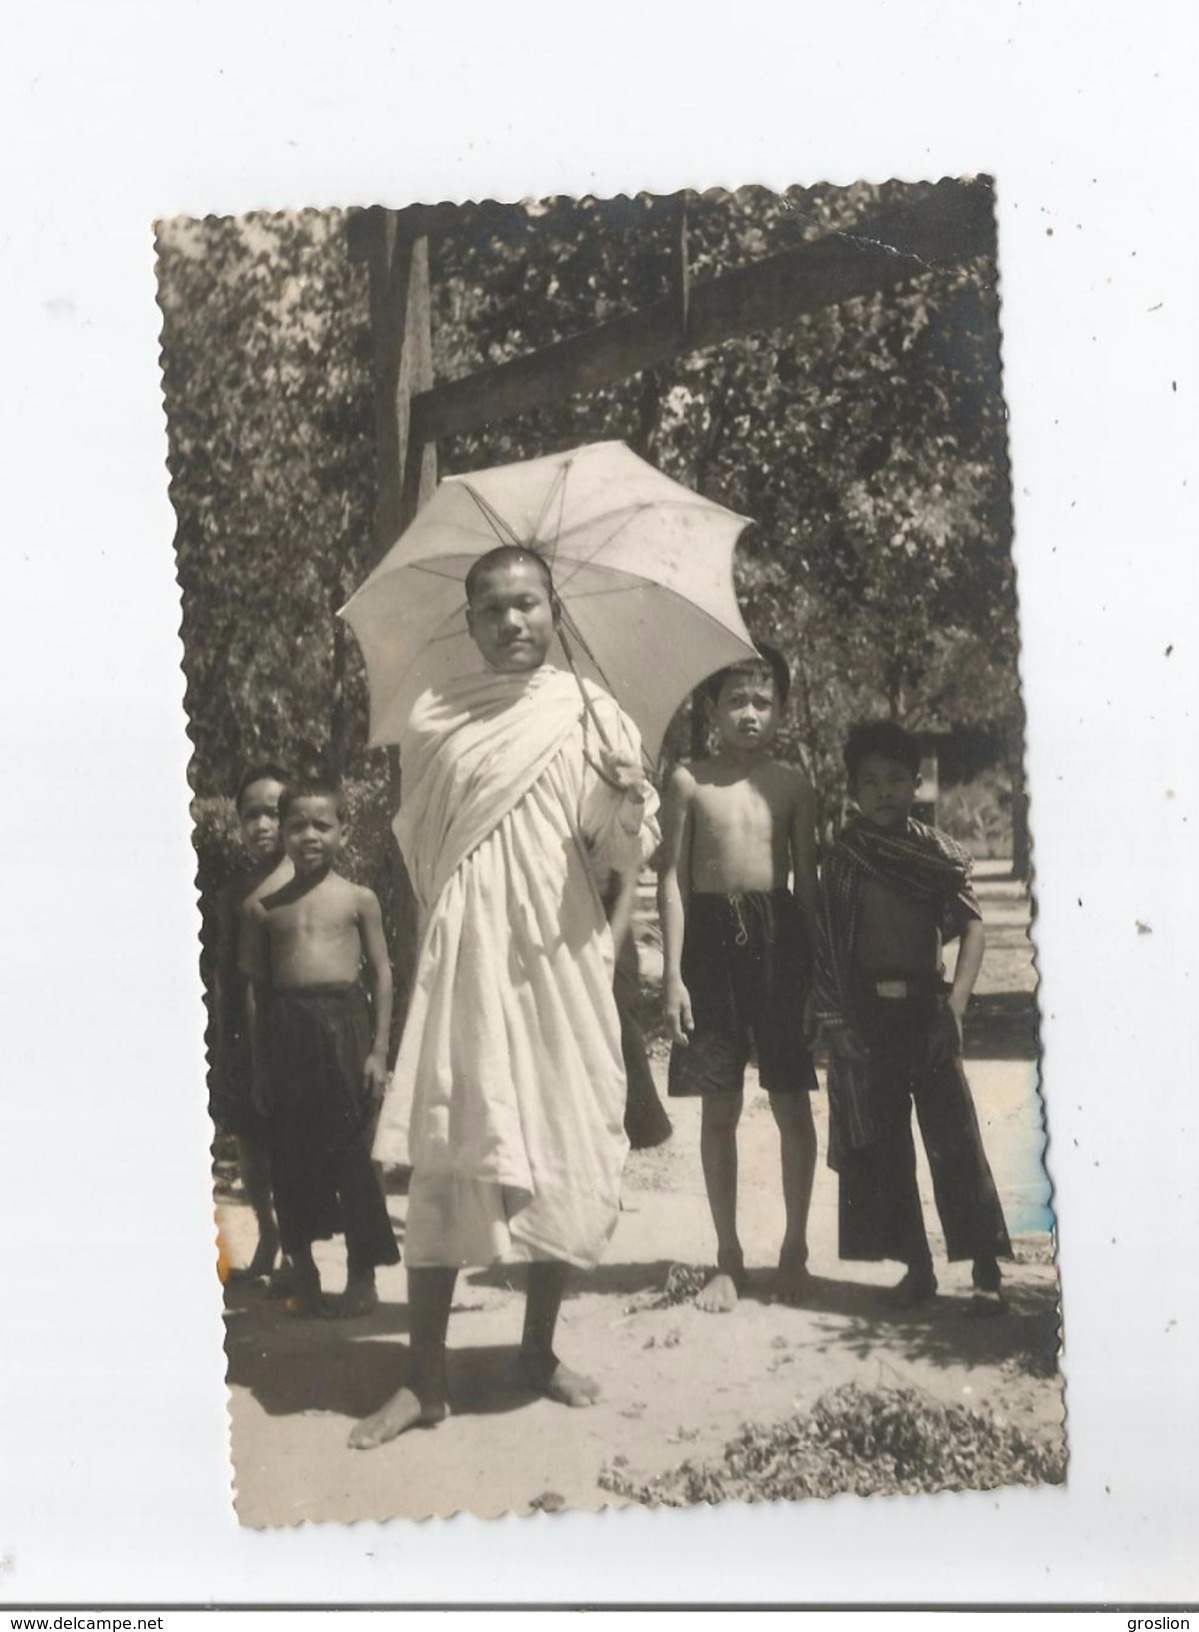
(1002, 1026)
(350, 1368)
(854, 1318)
(613, 1280)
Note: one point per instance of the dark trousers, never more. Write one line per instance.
(880, 1215)
(340, 1194)
(316, 1039)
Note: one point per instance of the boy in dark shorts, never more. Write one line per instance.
(892, 891)
(320, 1062)
(737, 956)
(230, 1100)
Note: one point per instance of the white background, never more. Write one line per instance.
(114, 1481)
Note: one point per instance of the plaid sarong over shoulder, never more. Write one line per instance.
(920, 862)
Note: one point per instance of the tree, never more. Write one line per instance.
(867, 442)
(267, 387)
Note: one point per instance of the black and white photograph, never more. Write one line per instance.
(599, 725)
(600, 632)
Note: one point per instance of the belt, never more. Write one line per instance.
(898, 990)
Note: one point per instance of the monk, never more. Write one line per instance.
(523, 794)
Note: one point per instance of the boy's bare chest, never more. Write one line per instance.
(316, 917)
(740, 837)
(741, 811)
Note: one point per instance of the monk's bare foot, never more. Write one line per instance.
(359, 1298)
(546, 1374)
(793, 1284)
(403, 1410)
(723, 1291)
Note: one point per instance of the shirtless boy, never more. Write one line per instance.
(737, 947)
(893, 890)
(523, 790)
(320, 1064)
(231, 1099)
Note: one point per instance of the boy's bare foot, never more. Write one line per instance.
(721, 1295)
(917, 1286)
(723, 1291)
(307, 1305)
(282, 1283)
(263, 1261)
(545, 1374)
(359, 1298)
(986, 1301)
(404, 1410)
(305, 1298)
(244, 1273)
(793, 1283)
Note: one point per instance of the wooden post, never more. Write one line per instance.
(418, 459)
(929, 795)
(396, 253)
(1021, 835)
(339, 588)
(397, 258)
(682, 270)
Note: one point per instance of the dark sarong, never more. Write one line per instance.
(645, 1120)
(747, 966)
(230, 1068)
(231, 1088)
(315, 1041)
(879, 1201)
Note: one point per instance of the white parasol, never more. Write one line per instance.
(641, 564)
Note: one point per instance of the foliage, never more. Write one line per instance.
(978, 813)
(684, 1282)
(866, 441)
(265, 352)
(862, 1441)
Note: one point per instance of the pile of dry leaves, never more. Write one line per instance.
(864, 1441)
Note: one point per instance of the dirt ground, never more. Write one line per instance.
(677, 1383)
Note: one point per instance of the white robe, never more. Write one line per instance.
(509, 1091)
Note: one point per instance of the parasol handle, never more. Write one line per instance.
(588, 705)
(589, 709)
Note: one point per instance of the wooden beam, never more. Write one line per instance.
(952, 223)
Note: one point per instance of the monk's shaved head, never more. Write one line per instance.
(506, 555)
(511, 609)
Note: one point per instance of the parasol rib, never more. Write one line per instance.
(557, 486)
(501, 529)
